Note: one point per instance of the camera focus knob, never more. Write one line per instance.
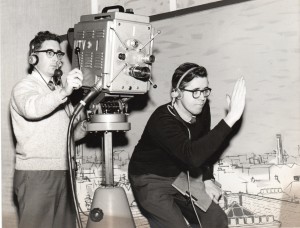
(96, 215)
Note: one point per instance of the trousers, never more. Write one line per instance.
(44, 199)
(165, 207)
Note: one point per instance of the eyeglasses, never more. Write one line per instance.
(50, 53)
(197, 93)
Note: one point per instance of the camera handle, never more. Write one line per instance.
(120, 8)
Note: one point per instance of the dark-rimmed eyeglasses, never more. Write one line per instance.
(50, 53)
(197, 93)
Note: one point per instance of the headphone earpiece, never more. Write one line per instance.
(176, 93)
(33, 59)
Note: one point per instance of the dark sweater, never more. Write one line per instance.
(165, 148)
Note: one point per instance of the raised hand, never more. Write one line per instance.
(73, 81)
(236, 103)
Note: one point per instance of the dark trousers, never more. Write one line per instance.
(165, 207)
(44, 199)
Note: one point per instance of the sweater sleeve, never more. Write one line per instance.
(207, 168)
(31, 102)
(172, 136)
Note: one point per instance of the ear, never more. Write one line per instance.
(179, 94)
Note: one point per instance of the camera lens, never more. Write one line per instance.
(141, 73)
(149, 59)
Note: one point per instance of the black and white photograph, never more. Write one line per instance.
(150, 114)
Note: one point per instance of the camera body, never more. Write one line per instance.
(114, 52)
(115, 48)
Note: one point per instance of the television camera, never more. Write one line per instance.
(114, 52)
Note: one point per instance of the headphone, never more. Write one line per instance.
(33, 59)
(176, 93)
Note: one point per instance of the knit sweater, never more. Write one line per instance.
(40, 122)
(166, 149)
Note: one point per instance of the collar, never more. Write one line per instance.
(185, 117)
(38, 74)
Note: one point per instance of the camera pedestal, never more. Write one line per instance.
(110, 207)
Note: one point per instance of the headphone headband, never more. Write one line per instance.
(183, 76)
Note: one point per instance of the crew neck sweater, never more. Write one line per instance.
(40, 122)
(169, 145)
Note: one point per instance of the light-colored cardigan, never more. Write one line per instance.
(40, 122)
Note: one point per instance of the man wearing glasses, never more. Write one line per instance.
(40, 113)
(177, 139)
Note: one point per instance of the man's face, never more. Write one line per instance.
(47, 65)
(189, 104)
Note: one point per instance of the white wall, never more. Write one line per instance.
(149, 8)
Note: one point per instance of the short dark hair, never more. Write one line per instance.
(199, 71)
(36, 43)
